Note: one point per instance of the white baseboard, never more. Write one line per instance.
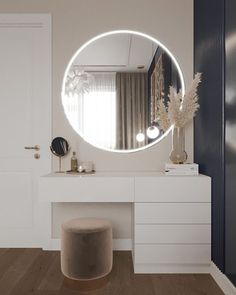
(118, 244)
(122, 244)
(222, 281)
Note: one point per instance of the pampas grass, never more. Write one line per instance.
(180, 109)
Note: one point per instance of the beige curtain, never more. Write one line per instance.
(132, 109)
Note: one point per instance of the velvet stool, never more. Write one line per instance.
(86, 252)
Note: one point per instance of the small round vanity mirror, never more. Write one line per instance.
(112, 88)
(59, 147)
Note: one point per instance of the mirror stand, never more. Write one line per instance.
(59, 147)
(60, 171)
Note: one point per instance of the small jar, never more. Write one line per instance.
(87, 166)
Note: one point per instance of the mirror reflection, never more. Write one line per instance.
(112, 88)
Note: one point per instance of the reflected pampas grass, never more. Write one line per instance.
(180, 109)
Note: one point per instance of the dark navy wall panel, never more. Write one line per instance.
(230, 139)
(209, 123)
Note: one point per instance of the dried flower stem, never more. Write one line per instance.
(180, 109)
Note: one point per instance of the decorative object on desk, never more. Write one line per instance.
(179, 111)
(80, 168)
(181, 169)
(83, 168)
(59, 147)
(83, 172)
(74, 162)
(87, 166)
(178, 154)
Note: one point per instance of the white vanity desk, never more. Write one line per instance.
(171, 216)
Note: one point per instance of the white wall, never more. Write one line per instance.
(75, 22)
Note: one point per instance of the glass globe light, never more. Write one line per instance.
(140, 137)
(153, 132)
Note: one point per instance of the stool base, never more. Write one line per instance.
(86, 285)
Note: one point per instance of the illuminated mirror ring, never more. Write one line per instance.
(88, 103)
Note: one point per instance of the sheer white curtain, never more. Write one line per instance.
(93, 113)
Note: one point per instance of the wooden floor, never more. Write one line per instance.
(37, 272)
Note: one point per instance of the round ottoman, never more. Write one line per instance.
(86, 249)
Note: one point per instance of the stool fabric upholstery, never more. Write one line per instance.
(86, 248)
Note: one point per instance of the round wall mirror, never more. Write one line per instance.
(111, 90)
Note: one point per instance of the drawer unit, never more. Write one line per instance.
(172, 213)
(172, 224)
(172, 234)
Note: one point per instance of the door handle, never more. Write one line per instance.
(36, 147)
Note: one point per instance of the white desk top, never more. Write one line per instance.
(119, 174)
(106, 174)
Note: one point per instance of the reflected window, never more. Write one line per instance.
(92, 108)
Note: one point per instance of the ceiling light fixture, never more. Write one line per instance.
(77, 81)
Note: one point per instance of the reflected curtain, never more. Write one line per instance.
(132, 109)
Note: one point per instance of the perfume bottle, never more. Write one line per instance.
(74, 163)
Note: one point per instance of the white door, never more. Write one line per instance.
(25, 121)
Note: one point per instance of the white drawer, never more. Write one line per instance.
(173, 254)
(173, 189)
(172, 213)
(86, 189)
(171, 234)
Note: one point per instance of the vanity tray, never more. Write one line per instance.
(80, 173)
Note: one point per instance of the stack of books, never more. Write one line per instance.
(181, 169)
